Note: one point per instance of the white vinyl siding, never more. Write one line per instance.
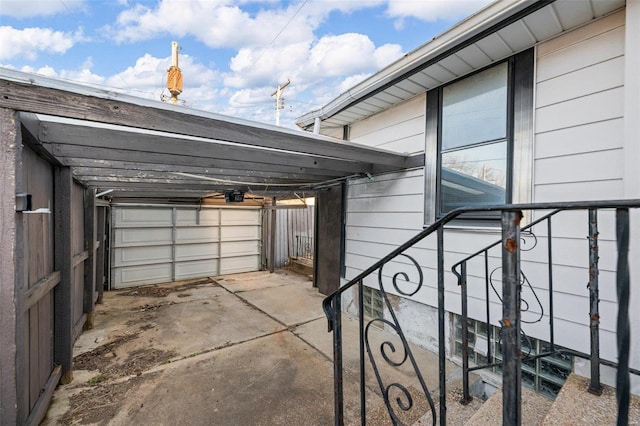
(399, 129)
(162, 244)
(579, 114)
(578, 155)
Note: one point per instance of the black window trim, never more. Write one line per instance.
(520, 87)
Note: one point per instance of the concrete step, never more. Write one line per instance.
(575, 406)
(301, 265)
(534, 410)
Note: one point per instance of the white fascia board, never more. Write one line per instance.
(463, 31)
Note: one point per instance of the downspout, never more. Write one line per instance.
(316, 126)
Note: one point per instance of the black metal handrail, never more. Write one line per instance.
(511, 215)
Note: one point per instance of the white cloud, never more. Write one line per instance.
(216, 23)
(30, 42)
(433, 10)
(26, 9)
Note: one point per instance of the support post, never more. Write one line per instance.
(442, 361)
(337, 361)
(63, 259)
(90, 262)
(274, 233)
(594, 314)
(466, 396)
(10, 159)
(623, 327)
(511, 374)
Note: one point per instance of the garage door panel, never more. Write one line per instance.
(126, 237)
(139, 275)
(234, 265)
(196, 269)
(240, 217)
(128, 256)
(194, 234)
(189, 217)
(163, 244)
(235, 233)
(196, 252)
(240, 248)
(143, 217)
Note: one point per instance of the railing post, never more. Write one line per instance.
(466, 397)
(441, 324)
(594, 313)
(363, 399)
(623, 332)
(511, 282)
(337, 360)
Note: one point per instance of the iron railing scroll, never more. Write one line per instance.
(520, 302)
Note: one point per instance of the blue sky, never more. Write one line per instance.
(233, 52)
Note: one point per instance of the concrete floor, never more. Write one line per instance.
(246, 349)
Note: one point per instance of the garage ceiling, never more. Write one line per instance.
(137, 147)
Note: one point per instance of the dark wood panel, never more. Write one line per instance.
(327, 257)
(39, 277)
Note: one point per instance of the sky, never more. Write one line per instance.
(233, 53)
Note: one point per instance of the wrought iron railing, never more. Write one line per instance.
(399, 398)
(304, 247)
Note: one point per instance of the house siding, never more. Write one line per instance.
(578, 155)
(399, 129)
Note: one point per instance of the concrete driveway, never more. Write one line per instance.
(246, 349)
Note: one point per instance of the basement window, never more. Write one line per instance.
(373, 306)
(543, 375)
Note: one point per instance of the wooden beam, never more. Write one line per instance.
(135, 143)
(105, 168)
(40, 289)
(73, 151)
(88, 174)
(90, 248)
(29, 97)
(10, 152)
(39, 410)
(63, 259)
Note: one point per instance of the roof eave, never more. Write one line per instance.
(470, 27)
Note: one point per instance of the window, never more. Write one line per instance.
(543, 375)
(373, 306)
(479, 133)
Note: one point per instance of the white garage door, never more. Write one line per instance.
(155, 244)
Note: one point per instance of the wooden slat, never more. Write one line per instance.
(42, 404)
(79, 326)
(79, 258)
(90, 263)
(40, 289)
(63, 322)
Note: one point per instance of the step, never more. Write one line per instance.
(301, 265)
(534, 410)
(575, 406)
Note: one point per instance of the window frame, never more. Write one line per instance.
(519, 138)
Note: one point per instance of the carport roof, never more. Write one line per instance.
(139, 147)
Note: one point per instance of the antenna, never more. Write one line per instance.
(279, 100)
(174, 79)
